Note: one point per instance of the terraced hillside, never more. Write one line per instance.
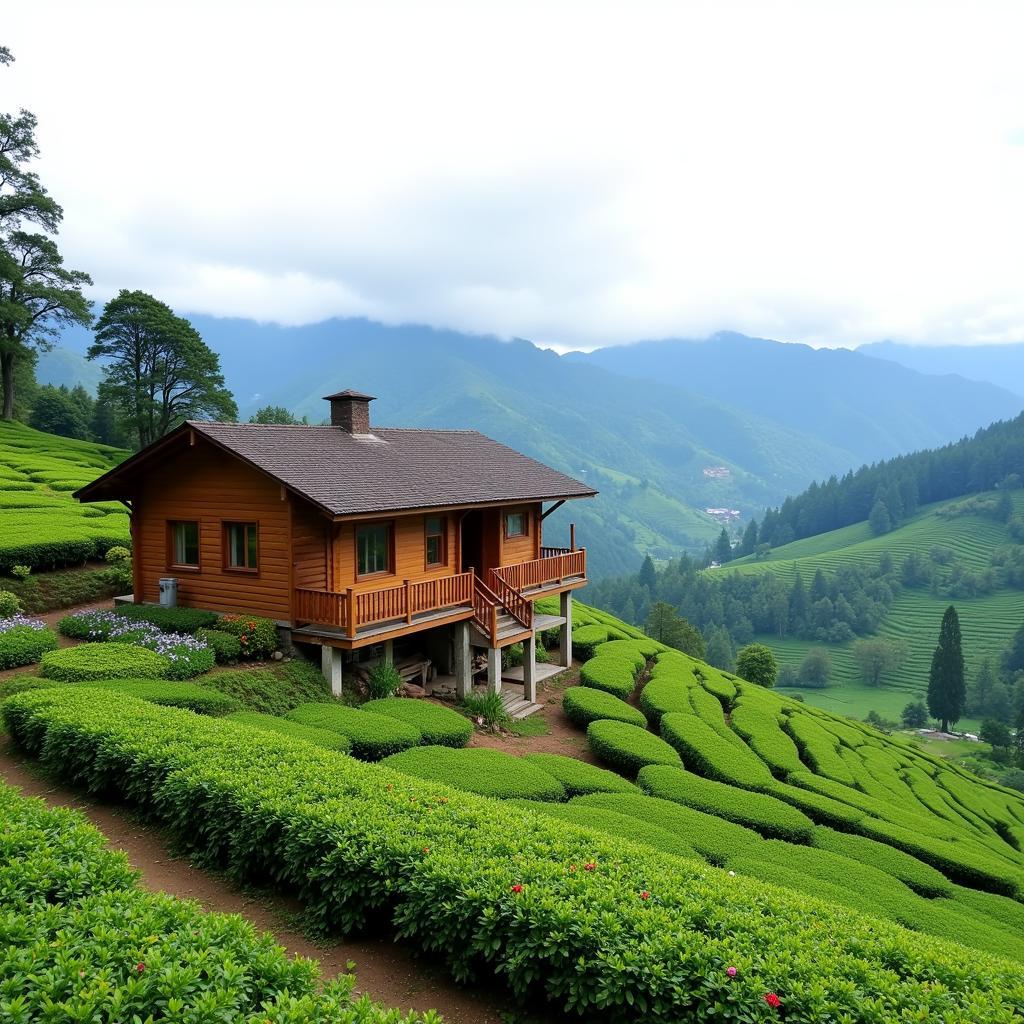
(988, 621)
(41, 525)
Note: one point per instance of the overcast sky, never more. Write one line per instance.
(574, 173)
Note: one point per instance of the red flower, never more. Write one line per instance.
(590, 866)
(772, 1000)
(517, 887)
(426, 849)
(140, 967)
(645, 895)
(251, 625)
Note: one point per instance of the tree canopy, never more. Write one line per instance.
(757, 664)
(946, 690)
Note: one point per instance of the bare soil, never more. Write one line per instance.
(386, 971)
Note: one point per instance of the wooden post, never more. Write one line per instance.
(572, 536)
(408, 604)
(530, 668)
(350, 613)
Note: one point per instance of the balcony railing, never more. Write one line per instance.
(555, 567)
(352, 610)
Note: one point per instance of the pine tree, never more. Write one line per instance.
(879, 519)
(723, 547)
(946, 690)
(798, 605)
(749, 544)
(648, 576)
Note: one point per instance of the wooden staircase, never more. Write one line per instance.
(501, 615)
(517, 707)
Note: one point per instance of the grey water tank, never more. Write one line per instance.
(168, 592)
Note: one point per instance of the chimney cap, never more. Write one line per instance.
(349, 393)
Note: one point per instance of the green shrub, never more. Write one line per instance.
(257, 636)
(718, 684)
(761, 730)
(103, 661)
(439, 726)
(86, 944)
(579, 778)
(819, 748)
(273, 691)
(22, 682)
(587, 639)
(488, 707)
(620, 826)
(328, 830)
(383, 681)
(9, 604)
(584, 704)
(170, 620)
(479, 770)
(118, 553)
(226, 647)
(628, 747)
(200, 699)
(663, 695)
(62, 589)
(614, 672)
(24, 641)
(372, 736)
(21, 572)
(284, 727)
(707, 753)
(758, 811)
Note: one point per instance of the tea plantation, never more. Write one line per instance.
(737, 845)
(43, 527)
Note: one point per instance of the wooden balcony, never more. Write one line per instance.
(364, 614)
(557, 569)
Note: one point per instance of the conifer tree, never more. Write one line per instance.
(946, 691)
(648, 577)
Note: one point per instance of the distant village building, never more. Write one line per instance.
(717, 472)
(724, 515)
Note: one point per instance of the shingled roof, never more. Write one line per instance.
(392, 470)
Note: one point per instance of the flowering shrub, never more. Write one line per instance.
(90, 945)
(347, 839)
(187, 655)
(257, 636)
(23, 641)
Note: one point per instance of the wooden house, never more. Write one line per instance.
(354, 537)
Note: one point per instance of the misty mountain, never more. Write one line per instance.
(998, 364)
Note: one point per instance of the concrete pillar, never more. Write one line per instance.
(389, 652)
(493, 670)
(330, 665)
(565, 632)
(530, 668)
(463, 662)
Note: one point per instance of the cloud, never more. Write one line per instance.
(576, 173)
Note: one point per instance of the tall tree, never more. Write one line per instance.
(668, 627)
(946, 691)
(877, 657)
(1018, 740)
(648, 576)
(273, 414)
(160, 371)
(720, 650)
(749, 543)
(57, 412)
(757, 664)
(723, 547)
(38, 294)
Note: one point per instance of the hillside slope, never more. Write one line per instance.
(967, 543)
(1002, 365)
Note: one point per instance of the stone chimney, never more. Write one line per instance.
(350, 410)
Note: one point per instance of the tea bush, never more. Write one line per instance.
(23, 641)
(584, 704)
(226, 647)
(476, 883)
(819, 748)
(372, 736)
(763, 733)
(758, 811)
(276, 690)
(284, 727)
(84, 943)
(628, 747)
(479, 770)
(578, 777)
(257, 636)
(707, 753)
(437, 725)
(103, 661)
(170, 620)
(587, 639)
(662, 695)
(614, 672)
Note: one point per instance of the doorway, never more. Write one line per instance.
(471, 541)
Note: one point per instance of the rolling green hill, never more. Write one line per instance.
(988, 620)
(41, 525)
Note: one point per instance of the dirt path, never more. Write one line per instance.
(385, 970)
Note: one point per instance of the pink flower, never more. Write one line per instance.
(426, 849)
(590, 866)
(645, 895)
(517, 887)
(772, 1000)
(731, 971)
(140, 967)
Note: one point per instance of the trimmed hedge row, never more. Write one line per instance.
(584, 704)
(225, 646)
(614, 668)
(587, 639)
(372, 736)
(819, 748)
(200, 699)
(479, 770)
(765, 737)
(283, 727)
(708, 707)
(579, 778)
(474, 881)
(84, 943)
(628, 747)
(758, 811)
(705, 751)
(170, 620)
(437, 725)
(103, 661)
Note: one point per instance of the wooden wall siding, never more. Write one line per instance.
(520, 549)
(202, 483)
(310, 547)
(410, 554)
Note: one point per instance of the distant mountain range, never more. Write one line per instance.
(997, 364)
(664, 429)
